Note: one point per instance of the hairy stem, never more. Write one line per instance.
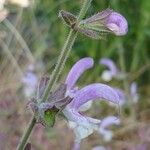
(56, 73)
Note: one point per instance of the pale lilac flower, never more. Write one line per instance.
(29, 81)
(76, 71)
(76, 146)
(117, 24)
(133, 92)
(112, 71)
(84, 126)
(99, 148)
(122, 97)
(107, 21)
(107, 122)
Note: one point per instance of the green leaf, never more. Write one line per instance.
(49, 116)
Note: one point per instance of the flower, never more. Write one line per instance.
(107, 21)
(76, 146)
(29, 81)
(117, 24)
(133, 92)
(106, 122)
(112, 71)
(69, 99)
(99, 148)
(84, 126)
(76, 71)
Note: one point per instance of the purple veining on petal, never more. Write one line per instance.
(93, 92)
(117, 24)
(76, 71)
(110, 65)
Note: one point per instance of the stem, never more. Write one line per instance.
(56, 73)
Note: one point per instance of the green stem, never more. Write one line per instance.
(56, 73)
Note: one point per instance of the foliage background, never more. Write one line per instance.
(44, 33)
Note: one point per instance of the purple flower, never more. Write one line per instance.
(106, 122)
(83, 125)
(29, 81)
(99, 148)
(117, 24)
(76, 146)
(133, 92)
(112, 71)
(77, 70)
(107, 21)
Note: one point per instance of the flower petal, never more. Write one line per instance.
(133, 92)
(82, 126)
(92, 92)
(76, 71)
(106, 122)
(76, 146)
(110, 64)
(99, 148)
(110, 120)
(117, 24)
(133, 88)
(122, 96)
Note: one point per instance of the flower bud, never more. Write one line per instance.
(105, 22)
(117, 24)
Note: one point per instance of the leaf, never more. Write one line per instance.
(68, 18)
(63, 102)
(49, 116)
(90, 33)
(58, 94)
(41, 86)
